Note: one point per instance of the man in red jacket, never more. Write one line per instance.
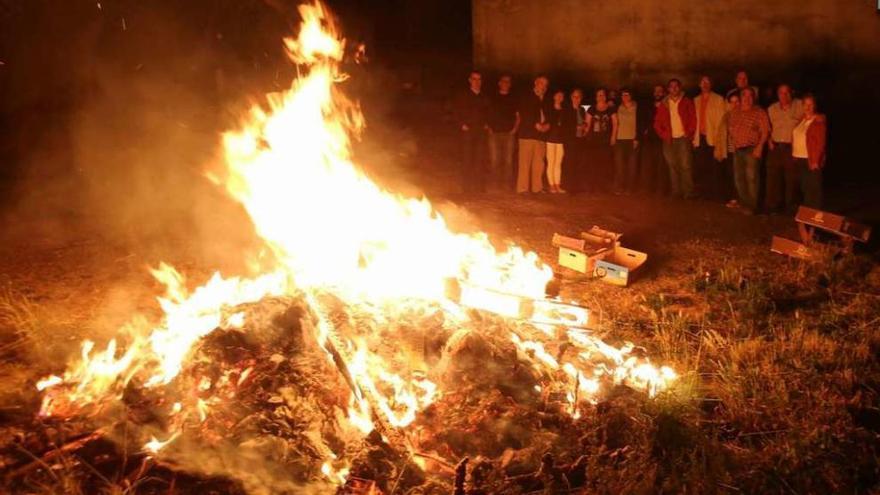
(676, 123)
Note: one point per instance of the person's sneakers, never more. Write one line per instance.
(560, 190)
(732, 204)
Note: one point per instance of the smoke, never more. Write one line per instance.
(250, 463)
(115, 133)
(124, 126)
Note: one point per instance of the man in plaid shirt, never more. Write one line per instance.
(749, 128)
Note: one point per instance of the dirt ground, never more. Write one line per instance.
(69, 268)
(94, 280)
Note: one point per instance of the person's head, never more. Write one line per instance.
(783, 92)
(810, 104)
(475, 81)
(504, 84)
(626, 96)
(705, 84)
(674, 88)
(742, 79)
(577, 96)
(733, 101)
(659, 92)
(541, 83)
(558, 97)
(746, 98)
(601, 96)
(612, 95)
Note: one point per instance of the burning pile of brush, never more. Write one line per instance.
(372, 347)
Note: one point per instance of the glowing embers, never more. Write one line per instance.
(572, 360)
(159, 356)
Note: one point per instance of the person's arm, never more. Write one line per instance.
(614, 128)
(516, 123)
(817, 135)
(642, 124)
(638, 125)
(691, 109)
(720, 149)
(765, 133)
(545, 115)
(659, 124)
(770, 144)
(588, 123)
(460, 110)
(484, 113)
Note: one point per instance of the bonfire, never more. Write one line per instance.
(372, 349)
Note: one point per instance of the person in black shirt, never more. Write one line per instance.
(573, 163)
(503, 124)
(653, 167)
(601, 129)
(533, 129)
(561, 125)
(472, 112)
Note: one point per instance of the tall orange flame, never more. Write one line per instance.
(333, 230)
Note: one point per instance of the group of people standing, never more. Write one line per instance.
(711, 146)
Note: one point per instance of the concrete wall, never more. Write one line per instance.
(637, 41)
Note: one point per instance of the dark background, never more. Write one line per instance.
(114, 107)
(111, 110)
(828, 47)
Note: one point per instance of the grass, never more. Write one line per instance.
(779, 388)
(785, 383)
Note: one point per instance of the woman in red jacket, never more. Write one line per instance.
(808, 149)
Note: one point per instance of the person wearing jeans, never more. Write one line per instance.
(472, 112)
(626, 144)
(808, 151)
(676, 123)
(503, 124)
(749, 129)
(745, 177)
(723, 153)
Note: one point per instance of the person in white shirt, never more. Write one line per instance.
(676, 123)
(708, 174)
(782, 179)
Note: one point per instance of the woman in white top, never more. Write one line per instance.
(808, 150)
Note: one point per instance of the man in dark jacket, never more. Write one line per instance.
(533, 128)
(503, 124)
(472, 112)
(676, 123)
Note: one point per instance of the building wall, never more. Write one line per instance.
(637, 41)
